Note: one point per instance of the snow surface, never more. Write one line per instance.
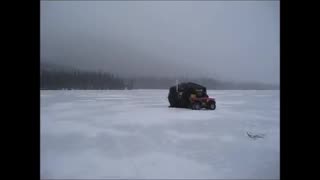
(133, 134)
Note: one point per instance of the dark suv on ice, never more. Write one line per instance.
(190, 95)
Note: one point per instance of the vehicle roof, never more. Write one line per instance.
(184, 85)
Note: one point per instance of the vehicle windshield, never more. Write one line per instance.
(200, 93)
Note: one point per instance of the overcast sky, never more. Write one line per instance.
(235, 40)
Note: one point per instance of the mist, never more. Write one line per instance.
(235, 40)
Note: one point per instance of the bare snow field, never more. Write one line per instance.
(133, 134)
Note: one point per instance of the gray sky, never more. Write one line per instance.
(235, 40)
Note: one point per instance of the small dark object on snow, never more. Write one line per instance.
(255, 136)
(190, 95)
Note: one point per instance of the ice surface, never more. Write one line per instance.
(133, 134)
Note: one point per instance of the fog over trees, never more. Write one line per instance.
(55, 77)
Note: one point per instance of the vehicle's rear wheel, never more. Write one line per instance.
(196, 106)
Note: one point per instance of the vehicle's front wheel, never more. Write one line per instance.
(212, 106)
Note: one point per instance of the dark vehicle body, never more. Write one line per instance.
(190, 95)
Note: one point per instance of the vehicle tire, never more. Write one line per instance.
(212, 106)
(196, 106)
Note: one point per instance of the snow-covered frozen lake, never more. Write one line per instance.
(133, 134)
